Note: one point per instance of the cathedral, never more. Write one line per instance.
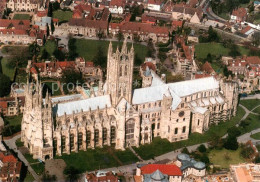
(113, 114)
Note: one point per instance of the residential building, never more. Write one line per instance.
(25, 5)
(158, 172)
(142, 31)
(115, 115)
(245, 172)
(10, 168)
(101, 176)
(155, 5)
(117, 6)
(11, 106)
(238, 15)
(207, 69)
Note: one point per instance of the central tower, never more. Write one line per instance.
(120, 73)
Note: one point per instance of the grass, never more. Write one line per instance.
(224, 158)
(63, 16)
(21, 17)
(253, 123)
(6, 70)
(161, 146)
(13, 120)
(30, 159)
(38, 168)
(257, 110)
(98, 158)
(29, 177)
(250, 104)
(256, 136)
(88, 48)
(216, 49)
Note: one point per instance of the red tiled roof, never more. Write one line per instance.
(253, 60)
(246, 29)
(89, 64)
(88, 23)
(192, 3)
(240, 12)
(117, 3)
(207, 68)
(9, 158)
(42, 13)
(177, 23)
(146, 19)
(204, 75)
(150, 66)
(156, 2)
(17, 24)
(169, 169)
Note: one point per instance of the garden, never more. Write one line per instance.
(21, 17)
(63, 16)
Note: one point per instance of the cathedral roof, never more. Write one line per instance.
(177, 90)
(94, 103)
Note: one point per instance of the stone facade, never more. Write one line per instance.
(116, 117)
(25, 5)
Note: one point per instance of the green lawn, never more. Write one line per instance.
(256, 136)
(160, 146)
(98, 158)
(88, 48)
(50, 47)
(203, 49)
(52, 87)
(13, 120)
(38, 168)
(257, 110)
(250, 104)
(21, 17)
(6, 70)
(253, 123)
(225, 157)
(62, 15)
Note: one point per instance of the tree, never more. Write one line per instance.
(226, 72)
(212, 35)
(45, 54)
(50, 10)
(19, 57)
(34, 49)
(256, 39)
(1, 70)
(52, 27)
(72, 49)
(233, 132)
(246, 151)
(234, 51)
(72, 173)
(244, 123)
(204, 158)
(231, 143)
(202, 148)
(59, 55)
(100, 34)
(120, 36)
(185, 150)
(5, 83)
(72, 76)
(47, 30)
(48, 178)
(100, 58)
(55, 6)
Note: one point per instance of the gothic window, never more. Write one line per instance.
(71, 141)
(104, 135)
(124, 92)
(76, 119)
(183, 119)
(146, 128)
(169, 129)
(96, 136)
(184, 129)
(177, 120)
(181, 113)
(84, 118)
(120, 71)
(113, 134)
(198, 122)
(125, 70)
(88, 138)
(182, 105)
(176, 131)
(119, 92)
(63, 143)
(158, 125)
(55, 144)
(92, 117)
(80, 137)
(129, 129)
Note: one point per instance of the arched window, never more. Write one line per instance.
(55, 145)
(129, 129)
(88, 138)
(96, 136)
(80, 137)
(120, 71)
(184, 129)
(113, 134)
(104, 135)
(124, 92)
(125, 70)
(169, 129)
(198, 122)
(71, 141)
(119, 92)
(158, 125)
(176, 131)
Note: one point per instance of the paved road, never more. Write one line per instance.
(11, 144)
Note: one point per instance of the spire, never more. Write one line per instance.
(132, 48)
(124, 47)
(110, 48)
